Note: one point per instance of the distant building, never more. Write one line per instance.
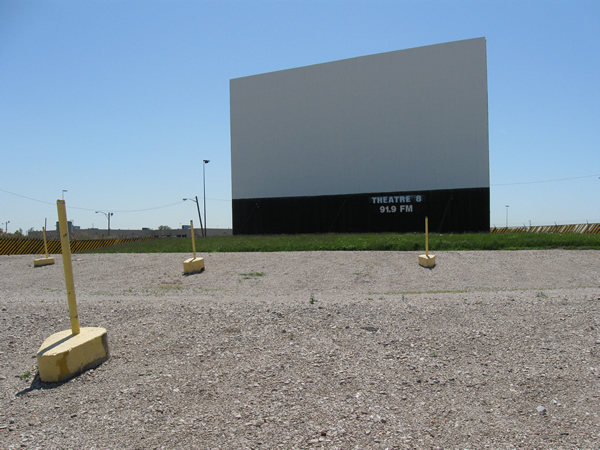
(95, 233)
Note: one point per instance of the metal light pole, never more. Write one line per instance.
(206, 161)
(198, 207)
(6, 226)
(507, 215)
(107, 214)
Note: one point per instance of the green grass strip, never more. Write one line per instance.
(363, 242)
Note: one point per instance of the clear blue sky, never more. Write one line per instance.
(118, 102)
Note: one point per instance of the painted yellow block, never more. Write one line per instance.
(43, 261)
(64, 354)
(427, 261)
(193, 265)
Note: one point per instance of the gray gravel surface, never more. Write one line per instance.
(309, 350)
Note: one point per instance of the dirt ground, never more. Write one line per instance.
(310, 350)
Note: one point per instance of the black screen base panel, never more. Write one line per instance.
(449, 211)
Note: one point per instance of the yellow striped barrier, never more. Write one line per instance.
(585, 228)
(27, 246)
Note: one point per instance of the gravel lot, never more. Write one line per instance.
(307, 350)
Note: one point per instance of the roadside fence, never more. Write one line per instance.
(585, 228)
(27, 246)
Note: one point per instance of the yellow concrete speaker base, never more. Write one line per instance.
(193, 265)
(64, 354)
(43, 261)
(427, 261)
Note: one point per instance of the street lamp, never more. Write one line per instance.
(507, 215)
(206, 161)
(6, 226)
(107, 214)
(197, 206)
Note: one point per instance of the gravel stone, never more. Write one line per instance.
(336, 350)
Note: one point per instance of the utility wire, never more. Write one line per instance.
(146, 209)
(224, 200)
(28, 198)
(544, 181)
(97, 209)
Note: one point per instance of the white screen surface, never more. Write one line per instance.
(407, 120)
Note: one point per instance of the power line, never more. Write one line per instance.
(96, 209)
(544, 181)
(28, 198)
(147, 209)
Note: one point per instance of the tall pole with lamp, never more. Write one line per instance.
(205, 162)
(199, 216)
(107, 214)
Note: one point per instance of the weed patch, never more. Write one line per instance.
(24, 375)
(250, 275)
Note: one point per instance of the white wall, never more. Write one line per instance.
(407, 120)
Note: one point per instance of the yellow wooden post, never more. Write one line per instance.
(69, 352)
(193, 240)
(193, 265)
(45, 243)
(47, 260)
(66, 251)
(427, 260)
(426, 237)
